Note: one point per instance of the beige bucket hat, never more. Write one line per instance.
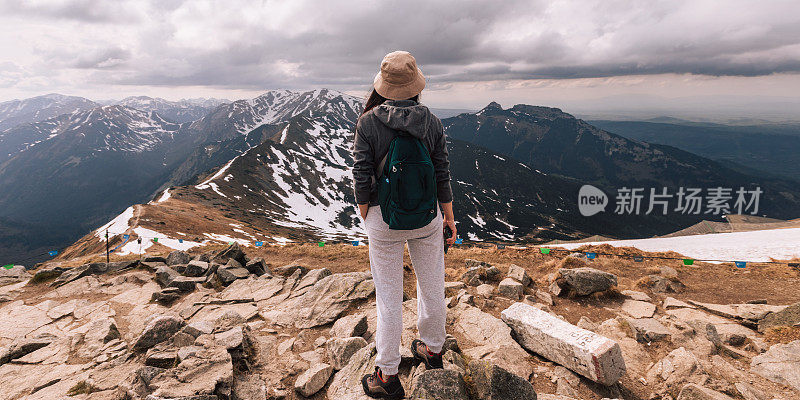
(399, 77)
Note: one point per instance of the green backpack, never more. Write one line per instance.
(407, 184)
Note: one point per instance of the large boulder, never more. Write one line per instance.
(491, 382)
(23, 346)
(440, 384)
(584, 352)
(329, 297)
(15, 274)
(585, 281)
(258, 267)
(781, 364)
(158, 330)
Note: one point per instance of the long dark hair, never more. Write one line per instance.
(374, 100)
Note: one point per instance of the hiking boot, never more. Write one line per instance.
(379, 386)
(421, 352)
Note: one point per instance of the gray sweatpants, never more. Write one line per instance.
(425, 246)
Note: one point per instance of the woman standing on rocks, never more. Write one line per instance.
(402, 187)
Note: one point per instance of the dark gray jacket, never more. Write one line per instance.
(375, 131)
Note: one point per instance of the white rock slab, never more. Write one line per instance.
(584, 352)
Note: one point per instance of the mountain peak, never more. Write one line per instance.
(541, 111)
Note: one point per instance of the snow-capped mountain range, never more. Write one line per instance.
(276, 167)
(40, 108)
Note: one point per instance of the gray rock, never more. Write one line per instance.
(544, 297)
(660, 284)
(510, 288)
(161, 358)
(166, 296)
(196, 268)
(199, 328)
(165, 275)
(781, 364)
(519, 274)
(346, 384)
(440, 384)
(287, 270)
(491, 382)
(452, 288)
(231, 272)
(258, 267)
(633, 294)
(749, 392)
(638, 309)
(228, 320)
(154, 259)
(669, 272)
(328, 298)
(23, 346)
(585, 281)
(696, 392)
(340, 350)
(584, 352)
(313, 379)
(186, 283)
(789, 316)
(349, 326)
(178, 257)
(158, 330)
(646, 330)
(484, 290)
(232, 252)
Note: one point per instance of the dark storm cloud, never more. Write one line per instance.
(249, 45)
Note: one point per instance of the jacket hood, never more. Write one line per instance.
(405, 115)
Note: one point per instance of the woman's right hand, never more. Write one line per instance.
(452, 225)
(449, 220)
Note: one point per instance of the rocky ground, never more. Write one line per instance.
(224, 324)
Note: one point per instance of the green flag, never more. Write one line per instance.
(321, 244)
(155, 240)
(8, 266)
(544, 251)
(688, 261)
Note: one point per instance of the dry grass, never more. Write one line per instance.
(81, 387)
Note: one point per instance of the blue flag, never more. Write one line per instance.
(355, 242)
(740, 264)
(259, 244)
(180, 240)
(638, 258)
(591, 256)
(501, 246)
(126, 237)
(459, 241)
(53, 253)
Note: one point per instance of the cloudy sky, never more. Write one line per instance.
(601, 55)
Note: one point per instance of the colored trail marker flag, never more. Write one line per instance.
(8, 266)
(459, 241)
(321, 244)
(126, 237)
(544, 251)
(180, 240)
(355, 242)
(688, 261)
(740, 264)
(53, 253)
(155, 240)
(638, 258)
(259, 244)
(591, 256)
(501, 246)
